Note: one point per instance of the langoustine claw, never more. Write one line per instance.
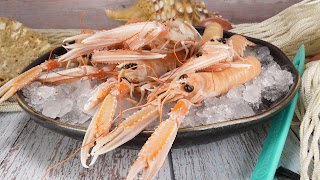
(100, 93)
(155, 150)
(103, 118)
(125, 131)
(239, 43)
(99, 125)
(15, 84)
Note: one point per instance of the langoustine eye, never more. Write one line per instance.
(130, 66)
(188, 88)
(199, 54)
(223, 40)
(183, 76)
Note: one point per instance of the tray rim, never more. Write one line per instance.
(74, 130)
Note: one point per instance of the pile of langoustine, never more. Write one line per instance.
(164, 62)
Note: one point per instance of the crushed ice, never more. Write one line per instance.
(65, 102)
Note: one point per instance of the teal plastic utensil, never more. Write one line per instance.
(272, 149)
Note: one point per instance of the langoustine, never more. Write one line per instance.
(187, 90)
(150, 158)
(105, 62)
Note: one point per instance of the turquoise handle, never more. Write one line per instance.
(272, 149)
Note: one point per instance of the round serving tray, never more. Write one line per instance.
(186, 136)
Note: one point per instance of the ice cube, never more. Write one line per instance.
(66, 106)
(51, 109)
(192, 119)
(35, 85)
(268, 59)
(72, 116)
(262, 52)
(242, 109)
(252, 94)
(211, 101)
(46, 91)
(37, 100)
(236, 92)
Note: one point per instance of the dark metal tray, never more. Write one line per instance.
(186, 136)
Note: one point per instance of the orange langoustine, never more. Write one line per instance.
(194, 12)
(114, 57)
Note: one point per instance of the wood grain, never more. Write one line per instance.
(38, 148)
(231, 158)
(11, 126)
(66, 14)
(28, 154)
(296, 130)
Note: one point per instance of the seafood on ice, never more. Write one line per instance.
(150, 64)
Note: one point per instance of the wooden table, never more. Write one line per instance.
(27, 150)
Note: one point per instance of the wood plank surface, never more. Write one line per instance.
(296, 129)
(38, 148)
(231, 158)
(11, 126)
(66, 14)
